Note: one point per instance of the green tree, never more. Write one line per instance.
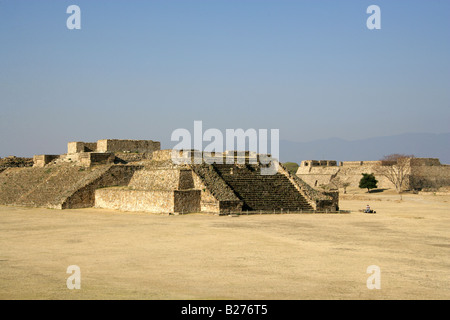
(368, 181)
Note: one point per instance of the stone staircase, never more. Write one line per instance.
(262, 192)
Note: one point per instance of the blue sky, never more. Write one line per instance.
(141, 69)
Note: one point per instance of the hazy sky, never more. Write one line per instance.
(141, 69)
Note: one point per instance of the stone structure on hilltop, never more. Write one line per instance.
(102, 152)
(136, 175)
(422, 173)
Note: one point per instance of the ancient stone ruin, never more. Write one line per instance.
(421, 173)
(136, 175)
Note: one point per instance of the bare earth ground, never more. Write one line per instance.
(197, 256)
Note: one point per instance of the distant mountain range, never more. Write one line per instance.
(423, 145)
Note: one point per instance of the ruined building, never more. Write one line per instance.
(421, 173)
(136, 175)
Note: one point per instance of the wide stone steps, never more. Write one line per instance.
(269, 192)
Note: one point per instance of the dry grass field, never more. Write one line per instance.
(197, 256)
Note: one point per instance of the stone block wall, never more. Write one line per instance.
(155, 191)
(186, 180)
(187, 190)
(43, 159)
(208, 203)
(429, 176)
(421, 173)
(95, 158)
(155, 179)
(84, 195)
(153, 201)
(366, 163)
(351, 163)
(197, 157)
(230, 206)
(72, 157)
(424, 162)
(186, 201)
(162, 155)
(128, 157)
(139, 146)
(318, 163)
(317, 176)
(328, 205)
(79, 146)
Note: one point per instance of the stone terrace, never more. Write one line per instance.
(135, 175)
(262, 192)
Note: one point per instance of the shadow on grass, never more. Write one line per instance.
(377, 190)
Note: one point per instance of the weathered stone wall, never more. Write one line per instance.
(190, 157)
(69, 158)
(43, 159)
(95, 158)
(317, 163)
(429, 177)
(128, 157)
(350, 163)
(318, 176)
(83, 194)
(189, 192)
(153, 201)
(366, 163)
(155, 179)
(421, 173)
(79, 146)
(208, 203)
(328, 205)
(162, 155)
(424, 162)
(186, 201)
(139, 146)
(153, 184)
(230, 206)
(186, 180)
